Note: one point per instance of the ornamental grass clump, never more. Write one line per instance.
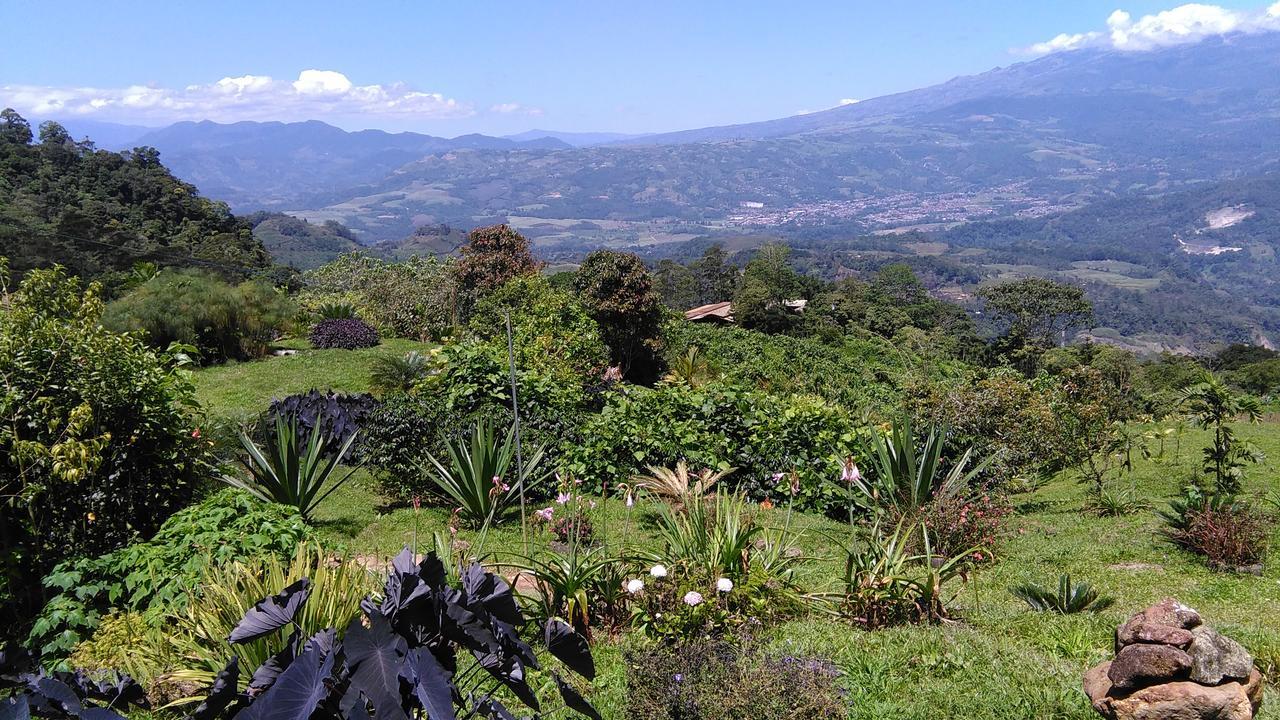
(479, 477)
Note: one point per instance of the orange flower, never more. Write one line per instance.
(766, 504)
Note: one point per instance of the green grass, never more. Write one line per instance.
(240, 390)
(999, 660)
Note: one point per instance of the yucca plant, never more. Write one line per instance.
(1069, 599)
(398, 374)
(908, 471)
(336, 311)
(479, 474)
(677, 485)
(290, 473)
(565, 582)
(714, 538)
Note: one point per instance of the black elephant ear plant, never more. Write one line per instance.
(427, 650)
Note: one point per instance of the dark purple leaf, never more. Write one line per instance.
(570, 648)
(15, 708)
(265, 676)
(493, 592)
(271, 614)
(297, 692)
(221, 694)
(431, 684)
(376, 657)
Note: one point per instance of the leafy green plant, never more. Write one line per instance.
(885, 582)
(398, 374)
(475, 478)
(1068, 599)
(713, 537)
(565, 582)
(1212, 406)
(909, 471)
(200, 628)
(336, 311)
(690, 368)
(288, 472)
(147, 579)
(1109, 502)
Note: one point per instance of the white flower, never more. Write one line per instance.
(635, 586)
(692, 598)
(658, 571)
(724, 585)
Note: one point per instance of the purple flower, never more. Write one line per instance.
(546, 513)
(563, 498)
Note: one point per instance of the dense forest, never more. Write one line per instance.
(100, 213)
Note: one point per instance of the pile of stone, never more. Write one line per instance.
(1170, 666)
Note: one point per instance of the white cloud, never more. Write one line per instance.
(849, 101)
(1183, 24)
(315, 94)
(514, 108)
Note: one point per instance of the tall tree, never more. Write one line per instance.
(492, 256)
(676, 285)
(717, 277)
(617, 291)
(1213, 406)
(768, 283)
(1039, 312)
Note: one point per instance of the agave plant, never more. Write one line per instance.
(1069, 599)
(427, 648)
(398, 374)
(677, 485)
(478, 477)
(908, 471)
(289, 473)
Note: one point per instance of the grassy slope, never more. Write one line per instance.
(999, 661)
(239, 390)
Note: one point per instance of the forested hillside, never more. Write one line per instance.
(99, 212)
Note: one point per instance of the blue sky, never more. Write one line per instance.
(498, 67)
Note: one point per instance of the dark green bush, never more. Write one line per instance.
(158, 574)
(412, 299)
(717, 425)
(223, 322)
(97, 444)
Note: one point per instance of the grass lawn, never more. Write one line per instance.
(241, 390)
(999, 660)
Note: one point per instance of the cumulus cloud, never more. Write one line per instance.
(315, 93)
(1183, 24)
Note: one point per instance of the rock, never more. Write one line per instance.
(1140, 665)
(1182, 700)
(1141, 630)
(1172, 613)
(1216, 657)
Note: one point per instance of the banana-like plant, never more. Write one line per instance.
(289, 473)
(1069, 599)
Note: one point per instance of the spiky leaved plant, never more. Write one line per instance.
(1070, 598)
(290, 473)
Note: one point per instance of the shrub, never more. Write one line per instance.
(492, 256)
(96, 442)
(729, 678)
(403, 653)
(223, 322)
(390, 375)
(1228, 532)
(957, 523)
(412, 299)
(617, 291)
(156, 575)
(347, 334)
(292, 472)
(1070, 598)
(716, 426)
